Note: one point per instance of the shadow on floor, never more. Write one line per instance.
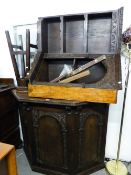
(24, 168)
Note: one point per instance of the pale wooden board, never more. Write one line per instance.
(73, 93)
(75, 77)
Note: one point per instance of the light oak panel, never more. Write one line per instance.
(73, 93)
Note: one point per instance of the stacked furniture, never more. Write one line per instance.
(64, 124)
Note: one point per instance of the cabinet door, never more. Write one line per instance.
(50, 137)
(9, 119)
(90, 138)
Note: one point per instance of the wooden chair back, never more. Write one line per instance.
(18, 50)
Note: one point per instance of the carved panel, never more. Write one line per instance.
(90, 133)
(114, 33)
(50, 129)
(64, 139)
(120, 12)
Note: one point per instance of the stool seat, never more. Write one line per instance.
(7, 153)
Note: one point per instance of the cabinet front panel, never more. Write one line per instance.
(90, 138)
(9, 122)
(7, 102)
(50, 143)
(50, 137)
(64, 139)
(90, 141)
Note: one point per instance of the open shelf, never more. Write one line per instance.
(74, 34)
(93, 33)
(49, 69)
(99, 33)
(51, 35)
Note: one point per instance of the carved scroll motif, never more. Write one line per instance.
(120, 11)
(114, 31)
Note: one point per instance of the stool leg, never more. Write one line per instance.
(11, 163)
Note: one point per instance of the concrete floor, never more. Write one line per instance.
(24, 168)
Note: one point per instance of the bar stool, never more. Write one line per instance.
(7, 159)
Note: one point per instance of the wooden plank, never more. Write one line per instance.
(75, 77)
(73, 93)
(72, 55)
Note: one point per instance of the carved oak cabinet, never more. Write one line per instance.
(63, 137)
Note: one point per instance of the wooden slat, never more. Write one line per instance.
(22, 60)
(75, 77)
(73, 93)
(33, 46)
(17, 47)
(20, 52)
(12, 55)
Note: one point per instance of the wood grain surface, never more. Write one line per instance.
(73, 93)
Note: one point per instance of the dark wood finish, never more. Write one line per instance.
(63, 137)
(74, 40)
(22, 57)
(108, 74)
(81, 33)
(28, 52)
(79, 69)
(20, 80)
(9, 117)
(68, 137)
(74, 34)
(12, 54)
(71, 55)
(3, 167)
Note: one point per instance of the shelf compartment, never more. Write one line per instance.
(99, 33)
(51, 35)
(73, 34)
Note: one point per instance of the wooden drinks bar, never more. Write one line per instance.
(64, 122)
